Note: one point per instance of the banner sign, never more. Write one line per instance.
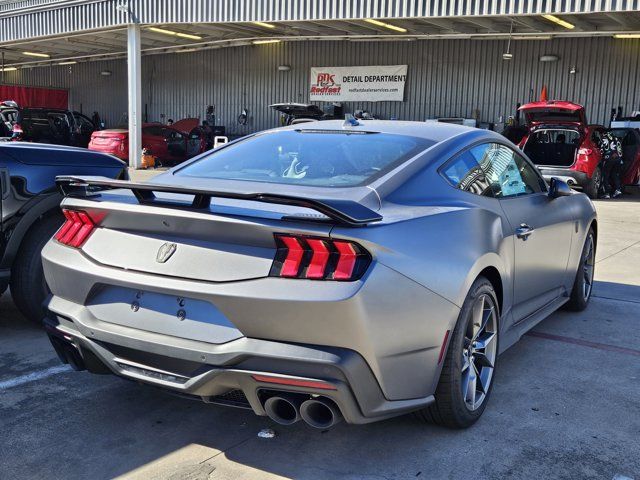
(35, 97)
(365, 84)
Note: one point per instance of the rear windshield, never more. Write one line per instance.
(326, 158)
(552, 116)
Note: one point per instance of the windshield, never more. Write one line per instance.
(326, 158)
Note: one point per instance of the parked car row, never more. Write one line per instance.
(44, 125)
(169, 143)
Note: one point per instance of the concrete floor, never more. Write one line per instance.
(565, 405)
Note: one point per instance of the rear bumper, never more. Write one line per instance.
(214, 373)
(573, 177)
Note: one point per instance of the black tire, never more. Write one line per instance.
(592, 188)
(450, 409)
(28, 286)
(578, 300)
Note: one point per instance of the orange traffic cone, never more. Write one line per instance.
(543, 94)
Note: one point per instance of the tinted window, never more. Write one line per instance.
(508, 173)
(464, 172)
(325, 158)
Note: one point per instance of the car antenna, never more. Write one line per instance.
(350, 121)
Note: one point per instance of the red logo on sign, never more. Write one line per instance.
(325, 80)
(325, 85)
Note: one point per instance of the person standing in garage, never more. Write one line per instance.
(611, 148)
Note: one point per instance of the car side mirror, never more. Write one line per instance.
(559, 188)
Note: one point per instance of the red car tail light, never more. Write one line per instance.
(585, 151)
(76, 229)
(319, 259)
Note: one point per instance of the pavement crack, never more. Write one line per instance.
(620, 251)
(617, 299)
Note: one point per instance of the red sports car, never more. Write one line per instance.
(175, 143)
(562, 144)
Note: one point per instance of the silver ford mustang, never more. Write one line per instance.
(324, 271)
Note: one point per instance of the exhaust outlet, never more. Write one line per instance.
(283, 409)
(68, 353)
(320, 413)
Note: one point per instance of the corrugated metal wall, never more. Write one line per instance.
(445, 78)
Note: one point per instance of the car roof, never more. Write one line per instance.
(434, 131)
(41, 146)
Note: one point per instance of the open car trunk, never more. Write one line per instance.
(553, 146)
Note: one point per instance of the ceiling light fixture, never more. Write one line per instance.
(175, 34)
(8, 69)
(385, 25)
(532, 37)
(627, 35)
(559, 21)
(264, 42)
(189, 36)
(71, 62)
(508, 55)
(35, 54)
(263, 24)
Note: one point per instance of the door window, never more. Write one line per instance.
(508, 173)
(83, 124)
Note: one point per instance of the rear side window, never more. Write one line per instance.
(465, 173)
(326, 158)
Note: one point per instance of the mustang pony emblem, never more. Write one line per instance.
(165, 252)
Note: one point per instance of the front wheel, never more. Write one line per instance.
(469, 366)
(583, 283)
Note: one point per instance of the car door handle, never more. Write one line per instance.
(523, 231)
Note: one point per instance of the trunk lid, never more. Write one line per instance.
(203, 233)
(553, 112)
(183, 244)
(298, 109)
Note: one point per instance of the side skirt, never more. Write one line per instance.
(517, 330)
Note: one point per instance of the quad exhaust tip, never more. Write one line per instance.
(283, 409)
(289, 408)
(320, 413)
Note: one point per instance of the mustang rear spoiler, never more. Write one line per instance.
(348, 212)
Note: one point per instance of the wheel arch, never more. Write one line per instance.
(492, 274)
(44, 206)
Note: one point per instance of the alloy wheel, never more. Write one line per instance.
(588, 268)
(479, 352)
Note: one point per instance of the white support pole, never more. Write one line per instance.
(134, 71)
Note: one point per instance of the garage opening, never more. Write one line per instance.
(556, 147)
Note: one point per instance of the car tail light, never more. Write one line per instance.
(294, 382)
(317, 258)
(585, 151)
(76, 229)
